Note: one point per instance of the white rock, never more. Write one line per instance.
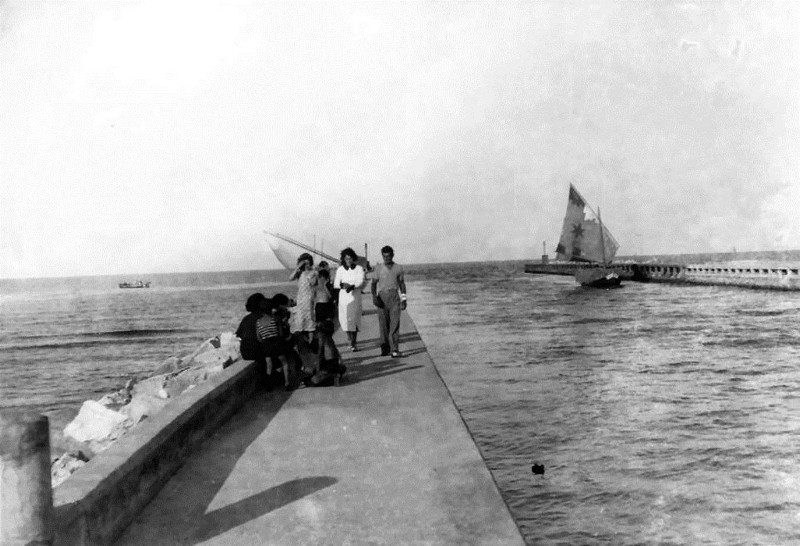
(171, 364)
(95, 423)
(63, 467)
(153, 386)
(181, 382)
(214, 361)
(143, 405)
(116, 399)
(228, 339)
(96, 427)
(208, 345)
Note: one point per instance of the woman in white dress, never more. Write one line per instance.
(349, 280)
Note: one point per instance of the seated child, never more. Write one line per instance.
(249, 345)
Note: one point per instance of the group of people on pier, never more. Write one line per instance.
(277, 329)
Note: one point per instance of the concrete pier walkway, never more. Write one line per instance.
(383, 459)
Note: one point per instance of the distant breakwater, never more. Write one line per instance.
(742, 274)
(768, 257)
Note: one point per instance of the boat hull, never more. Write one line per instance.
(134, 285)
(598, 278)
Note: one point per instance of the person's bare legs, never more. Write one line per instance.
(270, 366)
(287, 374)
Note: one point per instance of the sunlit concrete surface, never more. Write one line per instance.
(383, 459)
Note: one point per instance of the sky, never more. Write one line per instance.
(141, 137)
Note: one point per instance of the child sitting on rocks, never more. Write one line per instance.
(249, 345)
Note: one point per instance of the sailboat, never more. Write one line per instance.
(587, 240)
(287, 249)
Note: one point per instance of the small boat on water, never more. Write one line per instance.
(137, 284)
(588, 241)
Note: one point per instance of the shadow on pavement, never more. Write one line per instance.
(226, 518)
(374, 370)
(192, 489)
(376, 341)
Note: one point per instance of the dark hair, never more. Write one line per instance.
(254, 301)
(279, 299)
(348, 252)
(387, 250)
(323, 265)
(305, 256)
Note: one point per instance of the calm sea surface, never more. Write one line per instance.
(663, 414)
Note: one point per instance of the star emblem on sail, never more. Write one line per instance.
(580, 236)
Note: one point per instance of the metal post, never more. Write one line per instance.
(26, 498)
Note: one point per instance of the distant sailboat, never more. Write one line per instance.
(287, 249)
(587, 240)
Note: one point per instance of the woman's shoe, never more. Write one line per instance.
(397, 354)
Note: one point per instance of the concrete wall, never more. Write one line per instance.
(760, 277)
(776, 278)
(99, 501)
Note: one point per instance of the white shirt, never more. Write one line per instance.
(354, 276)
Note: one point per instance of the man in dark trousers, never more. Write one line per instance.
(389, 296)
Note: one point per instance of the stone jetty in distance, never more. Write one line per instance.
(771, 270)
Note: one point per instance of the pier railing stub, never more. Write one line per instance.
(26, 498)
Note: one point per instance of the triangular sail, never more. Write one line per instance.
(580, 236)
(287, 251)
(286, 255)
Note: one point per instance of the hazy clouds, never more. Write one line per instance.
(145, 137)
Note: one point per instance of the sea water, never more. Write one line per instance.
(662, 414)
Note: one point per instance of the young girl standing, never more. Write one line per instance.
(271, 331)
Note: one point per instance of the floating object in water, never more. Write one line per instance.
(137, 284)
(538, 469)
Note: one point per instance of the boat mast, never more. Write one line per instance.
(597, 214)
(602, 239)
(303, 246)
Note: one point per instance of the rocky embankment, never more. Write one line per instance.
(100, 423)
